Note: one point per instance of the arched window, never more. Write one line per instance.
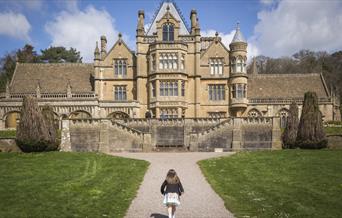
(168, 32)
(254, 113)
(283, 118)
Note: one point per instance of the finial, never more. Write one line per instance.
(216, 34)
(120, 35)
(238, 25)
(168, 7)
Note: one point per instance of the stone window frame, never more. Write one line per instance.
(168, 61)
(216, 66)
(238, 65)
(120, 67)
(120, 93)
(168, 32)
(216, 92)
(168, 88)
(168, 113)
(239, 91)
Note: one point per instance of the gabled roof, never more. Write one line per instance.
(176, 13)
(52, 78)
(285, 85)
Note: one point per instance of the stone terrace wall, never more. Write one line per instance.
(150, 134)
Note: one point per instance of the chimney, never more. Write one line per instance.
(140, 27)
(103, 47)
(193, 18)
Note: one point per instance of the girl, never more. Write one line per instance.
(171, 189)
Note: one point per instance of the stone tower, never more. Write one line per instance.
(238, 74)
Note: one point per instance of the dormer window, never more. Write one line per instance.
(168, 32)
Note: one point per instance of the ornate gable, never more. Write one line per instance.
(164, 8)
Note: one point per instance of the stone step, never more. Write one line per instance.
(171, 148)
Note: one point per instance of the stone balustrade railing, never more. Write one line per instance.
(283, 100)
(47, 95)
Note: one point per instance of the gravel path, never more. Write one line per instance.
(199, 200)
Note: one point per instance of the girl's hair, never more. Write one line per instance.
(172, 177)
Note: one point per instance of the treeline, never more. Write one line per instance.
(27, 54)
(305, 61)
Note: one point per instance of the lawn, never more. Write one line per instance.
(287, 183)
(58, 184)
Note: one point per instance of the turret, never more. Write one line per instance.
(238, 73)
(141, 20)
(103, 47)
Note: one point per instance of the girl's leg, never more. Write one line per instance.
(169, 210)
(173, 211)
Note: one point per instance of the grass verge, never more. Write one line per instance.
(58, 184)
(287, 183)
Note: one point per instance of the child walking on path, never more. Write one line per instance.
(172, 189)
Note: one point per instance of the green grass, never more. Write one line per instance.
(333, 130)
(7, 133)
(58, 184)
(287, 183)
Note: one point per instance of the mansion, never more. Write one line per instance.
(173, 73)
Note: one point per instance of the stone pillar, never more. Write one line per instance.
(2, 123)
(179, 112)
(157, 113)
(157, 88)
(276, 133)
(65, 141)
(147, 146)
(104, 138)
(193, 142)
(237, 134)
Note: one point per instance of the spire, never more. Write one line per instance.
(238, 37)
(97, 52)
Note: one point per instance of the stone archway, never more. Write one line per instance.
(79, 114)
(118, 115)
(12, 119)
(254, 113)
(283, 114)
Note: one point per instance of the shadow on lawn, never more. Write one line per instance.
(158, 215)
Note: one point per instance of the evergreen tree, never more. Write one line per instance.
(310, 130)
(290, 132)
(27, 55)
(60, 55)
(49, 118)
(32, 132)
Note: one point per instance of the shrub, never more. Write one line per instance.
(310, 130)
(290, 133)
(32, 132)
(49, 118)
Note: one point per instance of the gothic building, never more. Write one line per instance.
(173, 73)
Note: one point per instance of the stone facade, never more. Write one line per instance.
(173, 73)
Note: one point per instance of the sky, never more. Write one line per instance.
(273, 28)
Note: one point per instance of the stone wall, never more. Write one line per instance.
(335, 141)
(8, 145)
(150, 134)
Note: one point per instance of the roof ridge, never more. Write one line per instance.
(45, 64)
(284, 74)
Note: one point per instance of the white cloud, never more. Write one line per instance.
(80, 29)
(267, 2)
(294, 25)
(14, 25)
(227, 39)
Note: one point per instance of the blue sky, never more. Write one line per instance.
(272, 27)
